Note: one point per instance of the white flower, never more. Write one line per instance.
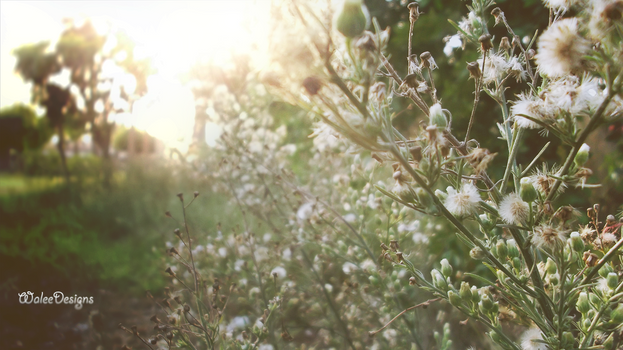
(495, 67)
(222, 251)
(531, 106)
(561, 48)
(279, 272)
(513, 210)
(557, 4)
(463, 202)
(237, 322)
(349, 268)
(530, 340)
(305, 211)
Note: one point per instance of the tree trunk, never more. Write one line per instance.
(61, 151)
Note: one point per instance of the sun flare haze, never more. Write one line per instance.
(173, 35)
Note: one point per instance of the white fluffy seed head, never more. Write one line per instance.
(462, 202)
(513, 210)
(561, 49)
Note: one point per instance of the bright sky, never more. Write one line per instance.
(173, 33)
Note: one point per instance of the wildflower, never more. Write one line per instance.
(495, 67)
(514, 210)
(531, 106)
(463, 202)
(531, 340)
(561, 48)
(547, 236)
(278, 272)
(515, 69)
(608, 239)
(557, 4)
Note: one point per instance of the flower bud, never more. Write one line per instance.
(609, 343)
(516, 262)
(582, 157)
(500, 247)
(605, 270)
(474, 70)
(617, 315)
(576, 242)
(475, 294)
(465, 292)
(594, 299)
(527, 192)
(505, 43)
(446, 268)
(438, 280)
(550, 266)
(476, 253)
(424, 197)
(582, 304)
(485, 304)
(485, 42)
(513, 250)
(454, 299)
(352, 20)
(374, 280)
(612, 280)
(437, 116)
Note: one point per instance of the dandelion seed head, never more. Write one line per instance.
(530, 340)
(561, 48)
(463, 202)
(547, 236)
(514, 210)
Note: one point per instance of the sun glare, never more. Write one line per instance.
(174, 35)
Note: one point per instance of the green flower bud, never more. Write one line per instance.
(352, 20)
(475, 294)
(486, 303)
(594, 299)
(516, 262)
(374, 280)
(438, 117)
(501, 276)
(582, 156)
(527, 192)
(609, 343)
(446, 268)
(586, 323)
(568, 340)
(605, 270)
(612, 280)
(454, 299)
(576, 242)
(486, 225)
(476, 253)
(465, 292)
(582, 304)
(617, 315)
(438, 280)
(424, 197)
(500, 247)
(550, 266)
(513, 250)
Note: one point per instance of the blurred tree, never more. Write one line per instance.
(21, 129)
(104, 79)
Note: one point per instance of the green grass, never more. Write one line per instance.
(97, 237)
